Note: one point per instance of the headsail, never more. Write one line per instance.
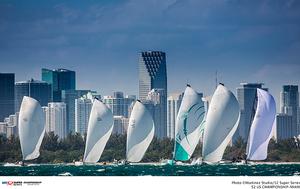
(262, 126)
(31, 128)
(99, 130)
(188, 126)
(221, 123)
(140, 132)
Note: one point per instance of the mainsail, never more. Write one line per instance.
(99, 130)
(221, 123)
(262, 126)
(189, 122)
(31, 128)
(140, 132)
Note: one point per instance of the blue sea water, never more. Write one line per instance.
(154, 170)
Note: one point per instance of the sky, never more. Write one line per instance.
(244, 41)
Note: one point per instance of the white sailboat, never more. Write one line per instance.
(100, 127)
(140, 132)
(261, 127)
(31, 128)
(189, 123)
(221, 123)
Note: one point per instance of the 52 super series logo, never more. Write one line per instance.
(12, 183)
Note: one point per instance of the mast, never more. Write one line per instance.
(29, 90)
(216, 79)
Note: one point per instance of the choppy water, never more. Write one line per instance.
(154, 170)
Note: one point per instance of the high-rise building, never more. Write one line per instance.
(39, 90)
(120, 125)
(174, 102)
(246, 95)
(56, 119)
(68, 97)
(2, 128)
(284, 126)
(289, 104)
(60, 79)
(7, 95)
(153, 75)
(83, 107)
(10, 125)
(119, 104)
(152, 72)
(155, 103)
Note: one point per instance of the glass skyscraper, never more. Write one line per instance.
(284, 126)
(60, 79)
(7, 95)
(153, 75)
(152, 72)
(289, 104)
(39, 90)
(69, 97)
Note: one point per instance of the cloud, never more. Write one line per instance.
(243, 38)
(284, 73)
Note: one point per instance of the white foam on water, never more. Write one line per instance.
(65, 174)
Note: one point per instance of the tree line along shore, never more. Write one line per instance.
(72, 147)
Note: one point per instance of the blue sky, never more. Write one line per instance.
(245, 41)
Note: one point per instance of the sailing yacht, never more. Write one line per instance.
(262, 126)
(221, 123)
(31, 128)
(189, 125)
(140, 132)
(99, 130)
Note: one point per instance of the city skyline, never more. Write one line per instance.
(255, 41)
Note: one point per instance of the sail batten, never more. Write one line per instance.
(189, 123)
(31, 128)
(262, 126)
(140, 132)
(100, 127)
(221, 123)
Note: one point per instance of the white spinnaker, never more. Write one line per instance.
(262, 126)
(99, 130)
(31, 128)
(221, 123)
(140, 132)
(188, 125)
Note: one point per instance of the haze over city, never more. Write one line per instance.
(245, 41)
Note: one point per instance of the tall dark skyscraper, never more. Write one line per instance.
(39, 90)
(289, 104)
(60, 79)
(152, 72)
(153, 75)
(7, 95)
(246, 95)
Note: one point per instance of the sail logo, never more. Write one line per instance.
(132, 124)
(99, 119)
(185, 116)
